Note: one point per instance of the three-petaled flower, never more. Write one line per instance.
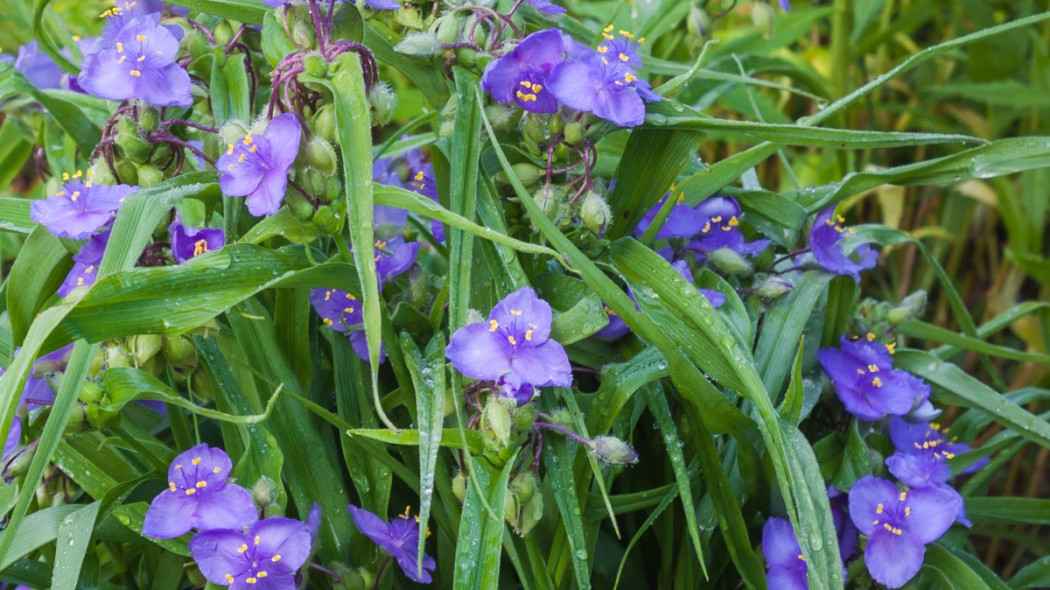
(828, 239)
(199, 496)
(512, 347)
(188, 242)
(399, 538)
(866, 382)
(520, 76)
(265, 557)
(257, 166)
(80, 208)
(85, 264)
(136, 59)
(899, 525)
(787, 566)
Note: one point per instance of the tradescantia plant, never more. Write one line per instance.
(285, 267)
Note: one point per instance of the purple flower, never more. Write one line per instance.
(845, 531)
(136, 59)
(617, 328)
(720, 228)
(623, 48)
(257, 166)
(399, 538)
(785, 5)
(85, 264)
(188, 242)
(199, 497)
(80, 208)
(514, 344)
(546, 7)
(787, 567)
(38, 67)
(341, 311)
(682, 222)
(14, 436)
(610, 89)
(866, 382)
(828, 239)
(266, 557)
(394, 256)
(409, 172)
(899, 525)
(928, 438)
(521, 75)
(37, 391)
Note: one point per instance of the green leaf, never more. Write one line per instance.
(40, 528)
(14, 215)
(85, 133)
(478, 547)
(74, 538)
(1005, 510)
(245, 11)
(38, 271)
(230, 93)
(410, 437)
(791, 407)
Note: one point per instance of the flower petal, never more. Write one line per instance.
(779, 543)
(933, 510)
(169, 515)
(479, 353)
(229, 507)
(864, 499)
(892, 559)
(543, 365)
(291, 539)
(216, 553)
(523, 313)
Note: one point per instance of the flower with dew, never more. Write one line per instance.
(845, 531)
(399, 537)
(621, 48)
(513, 344)
(520, 76)
(720, 228)
(38, 67)
(265, 557)
(199, 497)
(787, 566)
(899, 524)
(81, 207)
(866, 382)
(410, 172)
(829, 239)
(341, 311)
(85, 264)
(136, 59)
(257, 166)
(394, 257)
(188, 242)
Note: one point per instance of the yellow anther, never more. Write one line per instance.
(60, 194)
(603, 49)
(733, 221)
(631, 78)
(122, 58)
(935, 425)
(250, 580)
(135, 73)
(141, 58)
(247, 138)
(493, 324)
(171, 486)
(74, 196)
(870, 337)
(535, 88)
(276, 558)
(528, 335)
(200, 247)
(78, 174)
(140, 37)
(515, 312)
(801, 557)
(256, 539)
(840, 219)
(716, 219)
(873, 368)
(261, 574)
(196, 461)
(891, 347)
(878, 509)
(253, 148)
(642, 40)
(526, 83)
(627, 34)
(608, 37)
(191, 491)
(229, 150)
(623, 57)
(241, 158)
(351, 297)
(419, 175)
(242, 548)
(876, 382)
(707, 228)
(907, 511)
(229, 578)
(80, 281)
(861, 372)
(903, 496)
(512, 340)
(327, 321)
(608, 311)
(120, 47)
(179, 466)
(202, 484)
(608, 29)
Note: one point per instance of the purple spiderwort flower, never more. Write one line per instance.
(85, 264)
(866, 382)
(265, 557)
(787, 568)
(37, 391)
(514, 344)
(38, 67)
(785, 5)
(14, 436)
(136, 59)
(399, 538)
(410, 172)
(188, 242)
(341, 311)
(546, 7)
(394, 257)
(199, 497)
(593, 84)
(80, 208)
(683, 221)
(520, 76)
(828, 238)
(899, 525)
(845, 531)
(622, 48)
(257, 166)
(720, 228)
(929, 438)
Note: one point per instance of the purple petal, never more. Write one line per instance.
(283, 134)
(291, 539)
(359, 342)
(865, 499)
(933, 511)
(169, 515)
(575, 84)
(919, 469)
(892, 559)
(779, 543)
(229, 507)
(523, 312)
(543, 365)
(200, 463)
(216, 553)
(369, 524)
(478, 352)
(784, 578)
(546, 7)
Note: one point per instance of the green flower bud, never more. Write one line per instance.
(697, 22)
(324, 123)
(551, 198)
(181, 352)
(127, 172)
(420, 44)
(232, 131)
(595, 213)
(17, 462)
(447, 29)
(321, 155)
(99, 172)
(573, 133)
(495, 423)
(144, 346)
(500, 115)
(149, 117)
(459, 486)
(264, 492)
(409, 17)
(149, 175)
(315, 65)
(117, 356)
(524, 418)
(535, 129)
(131, 145)
(195, 43)
(328, 220)
(90, 393)
(446, 128)
(527, 173)
(523, 486)
(773, 287)
(303, 34)
(302, 209)
(729, 261)
(383, 101)
(333, 192)
(613, 451)
(913, 306)
(556, 124)
(223, 33)
(474, 316)
(510, 509)
(77, 420)
(356, 579)
(530, 515)
(562, 417)
(762, 18)
(466, 56)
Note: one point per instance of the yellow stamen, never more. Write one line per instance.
(242, 548)
(608, 29)
(873, 368)
(200, 247)
(251, 580)
(904, 495)
(191, 491)
(870, 337)
(624, 58)
(135, 73)
(528, 335)
(512, 340)
(229, 150)
(907, 511)
(261, 574)
(140, 37)
(876, 382)
(603, 49)
(74, 196)
(229, 578)
(493, 324)
(515, 312)
(878, 509)
(276, 558)
(891, 347)
(256, 539)
(196, 461)
(80, 281)
(627, 34)
(120, 47)
(171, 486)
(202, 484)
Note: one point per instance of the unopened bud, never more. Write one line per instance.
(144, 346)
(100, 173)
(535, 129)
(774, 287)
(730, 261)
(524, 418)
(324, 123)
(18, 460)
(314, 64)
(499, 115)
(495, 422)
(556, 124)
(527, 173)
(131, 145)
(421, 44)
(232, 132)
(77, 420)
(466, 56)
(303, 34)
(383, 101)
(195, 43)
(459, 486)
(697, 22)
(613, 450)
(181, 352)
(913, 306)
(321, 155)
(90, 393)
(328, 220)
(573, 133)
(551, 198)
(595, 213)
(510, 509)
(149, 118)
(447, 29)
(762, 18)
(263, 492)
(523, 485)
(223, 33)
(127, 172)
(117, 357)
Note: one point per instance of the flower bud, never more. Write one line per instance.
(447, 29)
(524, 418)
(127, 172)
(495, 423)
(466, 56)
(90, 393)
(195, 44)
(264, 492)
(149, 118)
(459, 486)
(551, 198)
(131, 145)
(77, 421)
(383, 101)
(697, 22)
(613, 451)
(232, 131)
(762, 18)
(510, 509)
(420, 44)
(556, 124)
(100, 173)
(144, 346)
(17, 461)
(302, 209)
(595, 213)
(730, 261)
(117, 356)
(773, 287)
(181, 352)
(530, 515)
(303, 34)
(328, 220)
(913, 306)
(527, 173)
(523, 486)
(535, 129)
(323, 123)
(223, 33)
(321, 155)
(573, 133)
(500, 115)
(149, 175)
(314, 64)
